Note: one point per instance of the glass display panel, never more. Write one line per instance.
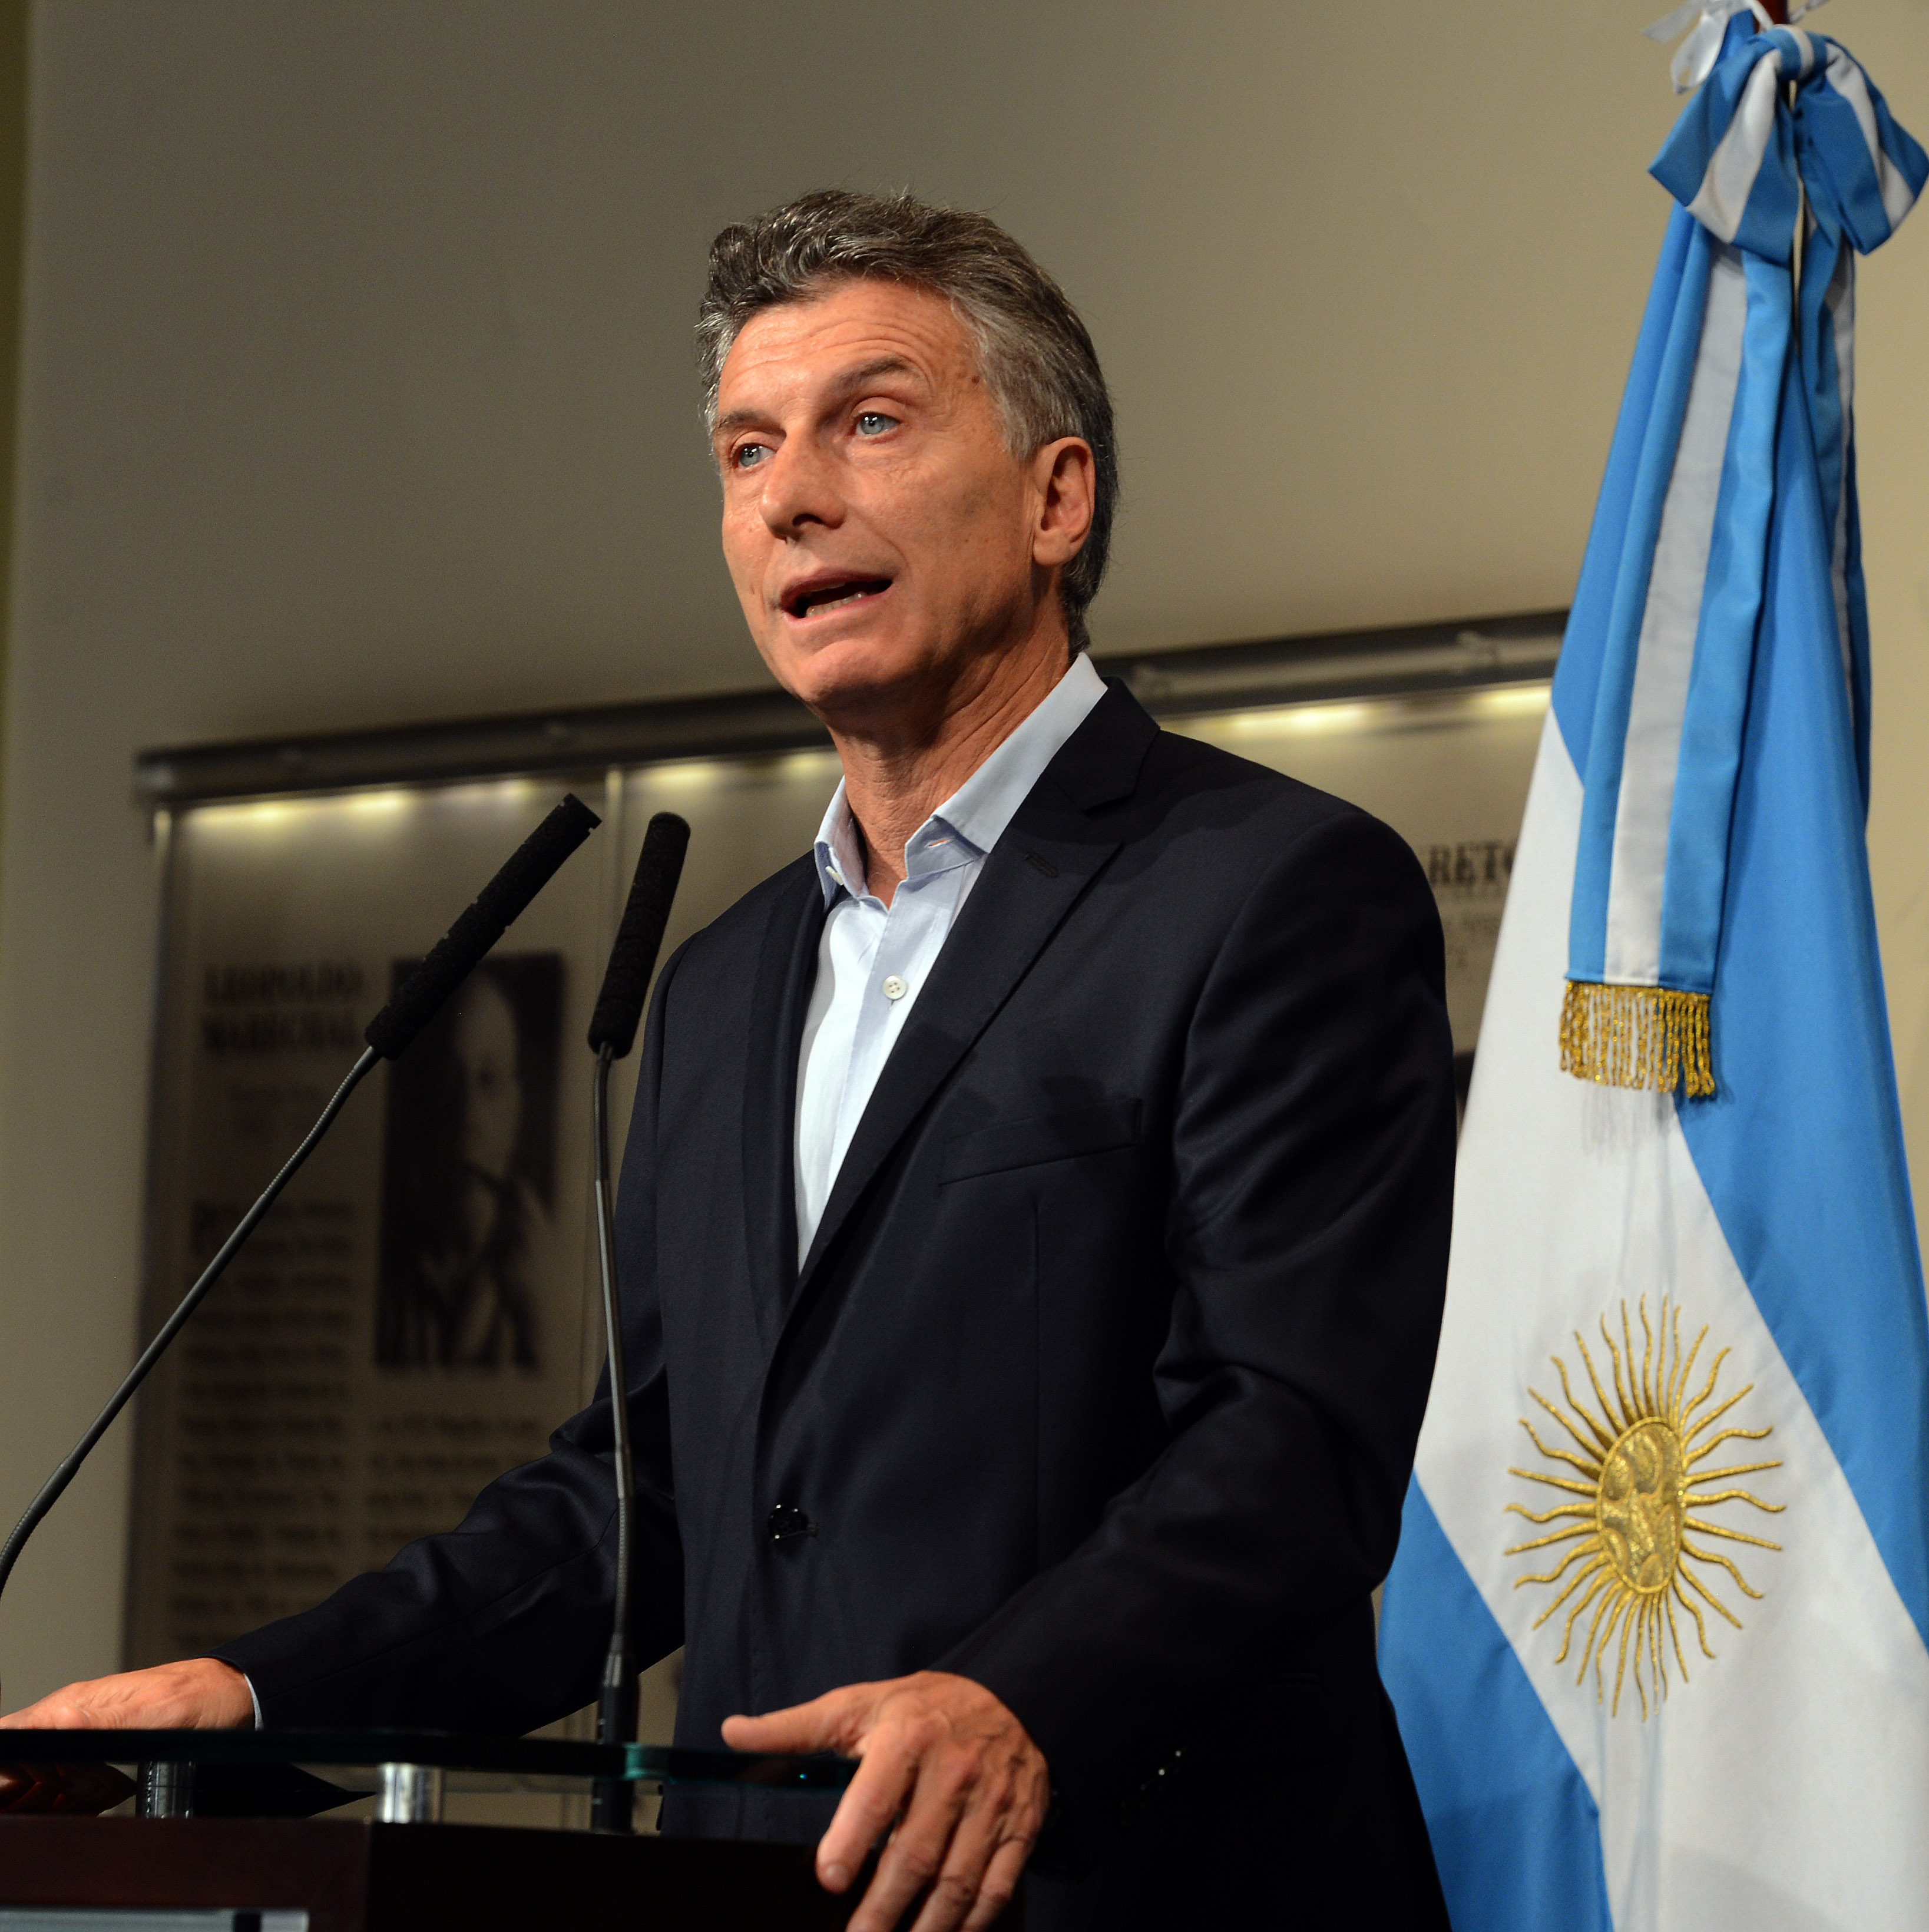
(409, 1321)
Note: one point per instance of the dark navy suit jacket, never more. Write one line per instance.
(1099, 1383)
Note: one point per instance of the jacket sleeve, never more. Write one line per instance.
(501, 1625)
(1311, 1161)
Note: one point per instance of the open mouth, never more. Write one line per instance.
(813, 600)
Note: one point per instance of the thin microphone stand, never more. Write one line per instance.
(612, 1801)
(51, 1490)
(612, 1034)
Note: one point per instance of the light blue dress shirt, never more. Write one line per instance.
(873, 960)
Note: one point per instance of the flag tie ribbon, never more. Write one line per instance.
(1720, 422)
(1706, 24)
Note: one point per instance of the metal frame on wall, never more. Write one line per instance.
(1465, 656)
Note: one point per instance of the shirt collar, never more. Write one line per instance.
(973, 818)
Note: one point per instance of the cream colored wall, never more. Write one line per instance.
(357, 389)
(1892, 426)
(14, 15)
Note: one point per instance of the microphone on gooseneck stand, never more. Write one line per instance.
(612, 1034)
(530, 869)
(459, 951)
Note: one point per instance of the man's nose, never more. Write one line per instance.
(800, 488)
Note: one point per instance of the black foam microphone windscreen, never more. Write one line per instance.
(529, 867)
(633, 958)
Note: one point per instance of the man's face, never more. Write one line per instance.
(882, 537)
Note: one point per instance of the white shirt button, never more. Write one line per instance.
(895, 989)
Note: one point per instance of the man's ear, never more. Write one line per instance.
(1065, 474)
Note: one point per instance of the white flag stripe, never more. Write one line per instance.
(1644, 807)
(1753, 1796)
(1737, 159)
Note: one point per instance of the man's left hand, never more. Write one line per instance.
(946, 1768)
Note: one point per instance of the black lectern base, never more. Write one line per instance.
(353, 1876)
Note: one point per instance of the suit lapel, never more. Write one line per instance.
(1050, 853)
(786, 972)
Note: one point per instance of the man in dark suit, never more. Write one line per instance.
(1033, 1226)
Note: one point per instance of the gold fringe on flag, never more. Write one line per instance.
(1636, 1036)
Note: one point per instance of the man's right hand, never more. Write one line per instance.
(201, 1694)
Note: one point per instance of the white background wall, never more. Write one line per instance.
(357, 389)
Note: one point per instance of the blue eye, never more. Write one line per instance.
(875, 422)
(747, 455)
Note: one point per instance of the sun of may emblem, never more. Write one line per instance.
(1637, 1496)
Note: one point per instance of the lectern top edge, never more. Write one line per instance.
(550, 1757)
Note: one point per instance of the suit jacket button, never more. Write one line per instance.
(786, 1521)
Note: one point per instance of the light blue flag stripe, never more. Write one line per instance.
(1844, 177)
(1767, 218)
(1717, 693)
(1851, 213)
(1657, 398)
(1801, 1149)
(1514, 1826)
(1577, 675)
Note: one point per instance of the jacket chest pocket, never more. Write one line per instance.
(1043, 1137)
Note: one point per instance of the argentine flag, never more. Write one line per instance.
(1658, 1630)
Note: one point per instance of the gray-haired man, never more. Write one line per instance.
(1033, 1226)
